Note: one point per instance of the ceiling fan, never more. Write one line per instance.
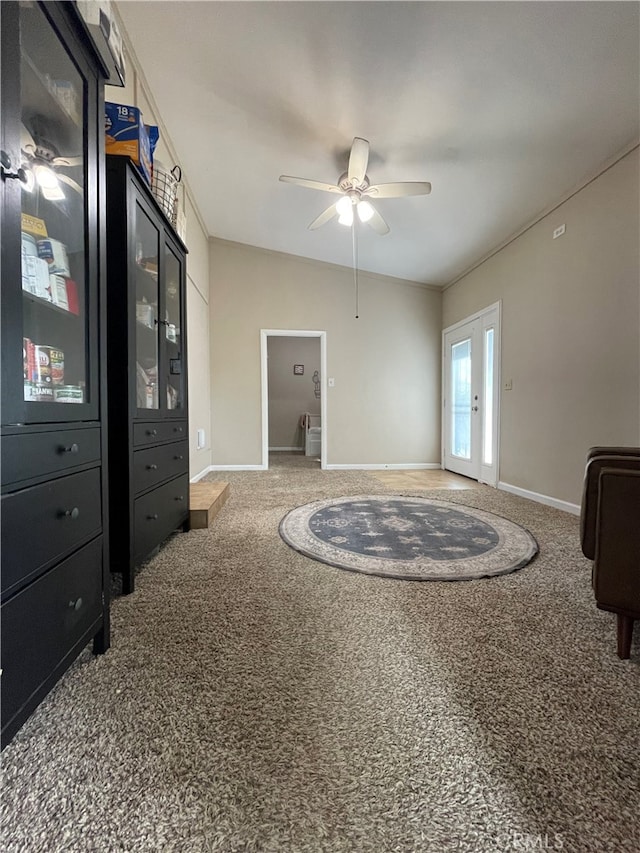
(44, 162)
(357, 191)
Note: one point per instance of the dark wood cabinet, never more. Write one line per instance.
(54, 530)
(147, 372)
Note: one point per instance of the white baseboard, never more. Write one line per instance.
(285, 448)
(237, 468)
(200, 475)
(392, 466)
(565, 506)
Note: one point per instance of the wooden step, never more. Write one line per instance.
(206, 501)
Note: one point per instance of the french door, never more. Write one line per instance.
(471, 384)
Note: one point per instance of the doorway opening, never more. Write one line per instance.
(303, 374)
(471, 396)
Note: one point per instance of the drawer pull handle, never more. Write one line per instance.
(180, 498)
(153, 517)
(152, 467)
(152, 432)
(72, 513)
(76, 605)
(179, 457)
(72, 449)
(177, 429)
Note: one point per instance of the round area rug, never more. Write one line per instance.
(408, 538)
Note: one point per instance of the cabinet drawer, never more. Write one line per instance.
(156, 464)
(159, 513)
(42, 624)
(155, 433)
(40, 453)
(44, 523)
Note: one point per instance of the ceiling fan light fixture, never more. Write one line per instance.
(48, 182)
(53, 193)
(30, 181)
(365, 211)
(344, 208)
(46, 178)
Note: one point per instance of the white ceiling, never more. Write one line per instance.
(504, 107)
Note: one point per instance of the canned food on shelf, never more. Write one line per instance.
(56, 357)
(42, 364)
(43, 393)
(68, 394)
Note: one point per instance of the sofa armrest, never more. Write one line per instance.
(612, 451)
(616, 570)
(628, 460)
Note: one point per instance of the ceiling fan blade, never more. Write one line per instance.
(377, 222)
(70, 182)
(66, 161)
(324, 217)
(358, 161)
(27, 143)
(399, 189)
(314, 185)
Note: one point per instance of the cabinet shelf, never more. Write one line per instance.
(40, 100)
(49, 306)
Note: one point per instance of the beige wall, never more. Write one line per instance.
(570, 333)
(290, 395)
(385, 406)
(136, 93)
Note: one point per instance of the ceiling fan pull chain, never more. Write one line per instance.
(355, 262)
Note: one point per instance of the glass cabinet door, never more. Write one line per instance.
(146, 244)
(53, 221)
(172, 325)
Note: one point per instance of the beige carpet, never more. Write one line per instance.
(255, 700)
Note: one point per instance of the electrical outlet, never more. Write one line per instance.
(559, 231)
(508, 385)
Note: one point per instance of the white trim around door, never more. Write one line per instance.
(265, 334)
(471, 396)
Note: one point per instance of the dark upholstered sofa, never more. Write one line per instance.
(610, 534)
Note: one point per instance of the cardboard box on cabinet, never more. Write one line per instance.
(127, 135)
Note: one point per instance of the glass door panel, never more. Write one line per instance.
(461, 399)
(53, 217)
(147, 241)
(172, 324)
(461, 426)
(488, 413)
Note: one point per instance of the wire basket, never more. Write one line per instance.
(164, 186)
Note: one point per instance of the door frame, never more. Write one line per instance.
(265, 334)
(497, 387)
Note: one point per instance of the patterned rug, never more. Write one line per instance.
(408, 538)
